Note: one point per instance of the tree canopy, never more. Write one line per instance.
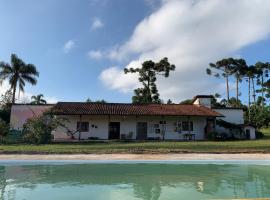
(18, 73)
(148, 76)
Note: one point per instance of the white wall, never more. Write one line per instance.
(235, 116)
(129, 124)
(203, 101)
(20, 114)
(252, 132)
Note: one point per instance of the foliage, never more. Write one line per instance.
(18, 73)
(38, 99)
(38, 130)
(148, 76)
(4, 128)
(260, 117)
(97, 101)
(186, 102)
(5, 106)
(259, 135)
(169, 101)
(223, 68)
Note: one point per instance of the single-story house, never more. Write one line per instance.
(87, 121)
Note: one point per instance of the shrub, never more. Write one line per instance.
(38, 130)
(212, 135)
(4, 128)
(259, 134)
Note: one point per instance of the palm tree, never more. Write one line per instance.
(38, 99)
(17, 74)
(225, 67)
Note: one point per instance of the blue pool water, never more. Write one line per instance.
(141, 181)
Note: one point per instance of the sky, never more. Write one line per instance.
(80, 47)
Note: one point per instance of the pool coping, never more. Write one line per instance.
(137, 157)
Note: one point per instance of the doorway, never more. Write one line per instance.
(114, 130)
(141, 130)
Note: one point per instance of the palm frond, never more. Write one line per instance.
(30, 79)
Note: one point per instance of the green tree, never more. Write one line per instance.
(148, 76)
(258, 116)
(38, 130)
(18, 73)
(222, 68)
(186, 102)
(97, 101)
(38, 99)
(238, 70)
(5, 106)
(262, 74)
(250, 73)
(169, 101)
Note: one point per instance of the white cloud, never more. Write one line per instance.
(125, 82)
(191, 34)
(96, 24)
(69, 45)
(95, 54)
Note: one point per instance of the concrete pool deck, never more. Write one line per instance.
(134, 157)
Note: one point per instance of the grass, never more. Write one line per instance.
(248, 146)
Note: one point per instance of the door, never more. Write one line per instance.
(248, 134)
(141, 130)
(114, 130)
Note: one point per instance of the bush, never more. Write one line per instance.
(212, 135)
(38, 130)
(259, 134)
(4, 128)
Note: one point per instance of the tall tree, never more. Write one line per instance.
(262, 74)
(238, 70)
(18, 73)
(250, 73)
(222, 68)
(38, 99)
(147, 76)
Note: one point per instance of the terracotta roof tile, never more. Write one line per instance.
(82, 108)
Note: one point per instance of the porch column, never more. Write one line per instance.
(163, 128)
(189, 133)
(80, 127)
(109, 119)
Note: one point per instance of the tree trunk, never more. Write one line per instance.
(14, 93)
(249, 99)
(262, 88)
(237, 91)
(227, 87)
(149, 99)
(253, 91)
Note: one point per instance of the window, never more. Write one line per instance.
(83, 126)
(187, 126)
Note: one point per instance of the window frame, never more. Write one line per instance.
(188, 125)
(83, 126)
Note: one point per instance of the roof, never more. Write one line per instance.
(227, 108)
(84, 108)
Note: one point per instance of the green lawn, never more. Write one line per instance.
(260, 146)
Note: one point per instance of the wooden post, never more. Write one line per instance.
(189, 133)
(80, 127)
(163, 128)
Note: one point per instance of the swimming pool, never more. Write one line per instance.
(133, 180)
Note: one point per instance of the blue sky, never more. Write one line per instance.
(81, 46)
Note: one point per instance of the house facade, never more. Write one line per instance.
(109, 121)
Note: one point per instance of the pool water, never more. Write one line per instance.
(145, 181)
